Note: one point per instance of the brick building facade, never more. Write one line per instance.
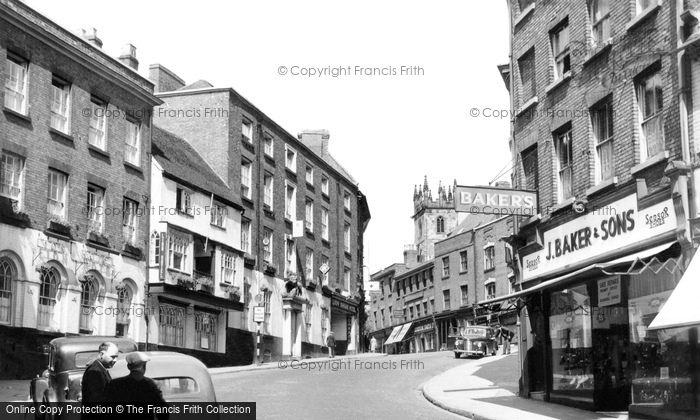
(75, 131)
(280, 180)
(602, 97)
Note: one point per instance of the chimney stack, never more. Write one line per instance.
(90, 35)
(163, 79)
(128, 56)
(316, 140)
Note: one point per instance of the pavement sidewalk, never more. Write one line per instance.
(486, 389)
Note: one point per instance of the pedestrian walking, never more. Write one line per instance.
(330, 342)
(136, 387)
(96, 377)
(506, 335)
(373, 345)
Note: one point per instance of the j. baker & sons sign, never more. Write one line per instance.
(599, 232)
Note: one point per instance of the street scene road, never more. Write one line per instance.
(392, 387)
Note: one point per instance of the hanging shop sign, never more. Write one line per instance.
(499, 201)
(598, 232)
(424, 328)
(335, 303)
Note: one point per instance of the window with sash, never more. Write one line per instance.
(324, 224)
(465, 297)
(177, 250)
(130, 212)
(268, 146)
(446, 299)
(12, 178)
(268, 189)
(565, 160)
(60, 105)
(309, 219)
(247, 131)
(218, 215)
(600, 21)
(602, 119)
(650, 104)
(290, 158)
(132, 152)
(246, 176)
(310, 175)
(97, 135)
(95, 209)
(560, 50)
(124, 309)
(308, 314)
(267, 246)
(155, 249)
(346, 237)
(58, 184)
(463, 261)
(228, 267)
(183, 201)
(489, 257)
(245, 236)
(445, 266)
(290, 207)
(16, 84)
(267, 299)
(309, 264)
(325, 183)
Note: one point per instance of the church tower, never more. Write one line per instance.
(433, 219)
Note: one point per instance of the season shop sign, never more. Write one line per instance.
(597, 233)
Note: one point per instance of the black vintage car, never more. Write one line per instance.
(476, 341)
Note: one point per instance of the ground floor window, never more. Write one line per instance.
(205, 327)
(171, 322)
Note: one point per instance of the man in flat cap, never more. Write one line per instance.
(136, 387)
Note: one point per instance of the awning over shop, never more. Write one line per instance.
(399, 333)
(682, 309)
(633, 259)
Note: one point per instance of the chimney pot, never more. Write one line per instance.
(90, 35)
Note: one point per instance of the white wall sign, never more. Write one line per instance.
(609, 291)
(259, 314)
(598, 232)
(500, 201)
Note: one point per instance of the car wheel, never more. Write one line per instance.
(457, 355)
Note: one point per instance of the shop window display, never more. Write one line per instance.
(572, 344)
(660, 359)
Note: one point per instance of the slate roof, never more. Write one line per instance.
(183, 163)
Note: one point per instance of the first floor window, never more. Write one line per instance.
(347, 278)
(564, 150)
(245, 235)
(324, 224)
(246, 175)
(325, 262)
(309, 220)
(324, 322)
(218, 215)
(446, 299)
(346, 237)
(129, 221)
(308, 313)
(268, 189)
(11, 179)
(445, 266)
(57, 194)
(155, 248)
(184, 201)
(309, 264)
(171, 325)
(465, 298)
(228, 267)
(177, 247)
(491, 290)
(205, 327)
(602, 118)
(290, 203)
(95, 203)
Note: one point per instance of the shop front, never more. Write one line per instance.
(589, 295)
(424, 337)
(398, 343)
(344, 324)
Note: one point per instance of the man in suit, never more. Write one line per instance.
(136, 387)
(96, 377)
(330, 342)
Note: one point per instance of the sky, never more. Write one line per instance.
(388, 130)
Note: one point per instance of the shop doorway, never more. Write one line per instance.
(611, 361)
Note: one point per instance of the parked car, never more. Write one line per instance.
(476, 341)
(67, 361)
(181, 378)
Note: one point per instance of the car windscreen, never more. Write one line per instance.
(177, 385)
(475, 332)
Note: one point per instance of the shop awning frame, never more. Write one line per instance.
(634, 259)
(398, 337)
(681, 309)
